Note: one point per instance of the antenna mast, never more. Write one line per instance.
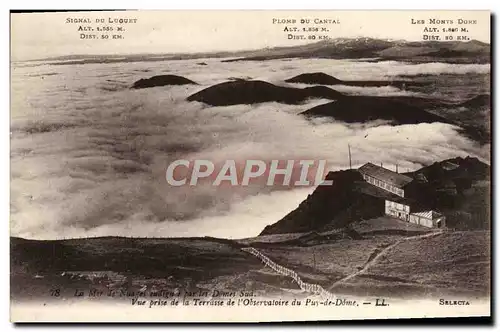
(350, 163)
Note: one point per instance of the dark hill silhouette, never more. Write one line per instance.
(313, 238)
(252, 92)
(399, 110)
(362, 109)
(446, 53)
(357, 48)
(351, 199)
(161, 80)
(340, 48)
(339, 204)
(325, 79)
(479, 101)
(315, 78)
(469, 167)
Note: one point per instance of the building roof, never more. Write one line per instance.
(375, 191)
(431, 214)
(385, 175)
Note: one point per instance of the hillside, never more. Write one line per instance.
(471, 116)
(122, 264)
(325, 79)
(431, 265)
(445, 265)
(254, 91)
(456, 52)
(357, 48)
(458, 187)
(397, 110)
(338, 48)
(371, 258)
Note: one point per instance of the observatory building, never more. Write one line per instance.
(401, 204)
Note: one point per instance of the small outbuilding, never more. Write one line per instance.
(428, 218)
(399, 209)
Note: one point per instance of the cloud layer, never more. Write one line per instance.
(89, 155)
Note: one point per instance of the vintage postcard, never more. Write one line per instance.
(250, 166)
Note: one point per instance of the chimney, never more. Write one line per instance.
(396, 168)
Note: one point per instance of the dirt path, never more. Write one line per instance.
(375, 259)
(317, 289)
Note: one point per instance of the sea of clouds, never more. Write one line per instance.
(88, 155)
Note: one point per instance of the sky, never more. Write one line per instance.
(41, 35)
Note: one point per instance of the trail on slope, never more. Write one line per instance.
(375, 259)
(317, 289)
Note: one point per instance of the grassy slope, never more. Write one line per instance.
(325, 263)
(452, 263)
(455, 263)
(321, 261)
(162, 263)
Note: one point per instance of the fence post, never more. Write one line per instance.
(312, 288)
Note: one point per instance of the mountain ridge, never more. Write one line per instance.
(474, 51)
